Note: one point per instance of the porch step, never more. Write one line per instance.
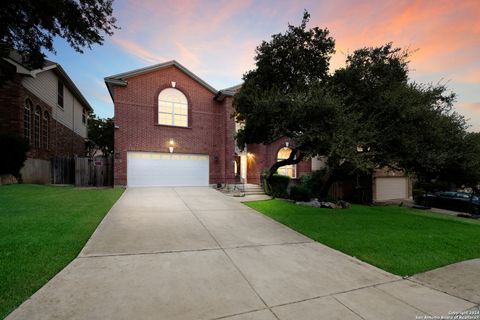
(253, 188)
(253, 192)
(250, 189)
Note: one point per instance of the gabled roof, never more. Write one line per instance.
(16, 60)
(228, 92)
(121, 78)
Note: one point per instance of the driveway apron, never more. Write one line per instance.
(194, 253)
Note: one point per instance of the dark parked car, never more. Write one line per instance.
(456, 201)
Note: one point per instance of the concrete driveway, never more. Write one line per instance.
(193, 253)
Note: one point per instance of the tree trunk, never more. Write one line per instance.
(295, 157)
(330, 178)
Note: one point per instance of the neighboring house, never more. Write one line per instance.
(46, 108)
(174, 129)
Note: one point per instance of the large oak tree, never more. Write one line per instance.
(366, 115)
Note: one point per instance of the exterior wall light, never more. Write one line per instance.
(170, 148)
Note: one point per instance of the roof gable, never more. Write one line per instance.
(15, 59)
(121, 79)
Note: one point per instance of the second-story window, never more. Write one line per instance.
(172, 108)
(60, 93)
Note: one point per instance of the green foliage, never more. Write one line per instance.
(30, 25)
(266, 186)
(463, 164)
(365, 116)
(300, 193)
(400, 240)
(314, 181)
(14, 153)
(100, 135)
(273, 100)
(413, 126)
(43, 228)
(278, 186)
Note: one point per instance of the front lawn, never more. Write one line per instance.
(42, 229)
(400, 240)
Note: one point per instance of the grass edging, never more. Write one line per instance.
(43, 229)
(399, 240)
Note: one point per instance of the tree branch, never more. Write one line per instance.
(295, 157)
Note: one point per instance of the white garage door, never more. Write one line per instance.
(154, 169)
(391, 188)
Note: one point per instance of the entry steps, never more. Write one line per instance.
(246, 189)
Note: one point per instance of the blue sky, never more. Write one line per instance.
(216, 40)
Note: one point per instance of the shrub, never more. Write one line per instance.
(314, 181)
(266, 187)
(14, 153)
(278, 186)
(300, 193)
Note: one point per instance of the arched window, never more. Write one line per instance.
(45, 129)
(27, 116)
(172, 108)
(36, 127)
(289, 170)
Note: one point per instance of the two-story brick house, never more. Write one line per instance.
(174, 129)
(45, 107)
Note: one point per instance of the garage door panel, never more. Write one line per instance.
(163, 170)
(391, 188)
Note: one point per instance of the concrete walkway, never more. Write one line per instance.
(193, 253)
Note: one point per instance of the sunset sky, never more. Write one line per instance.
(216, 40)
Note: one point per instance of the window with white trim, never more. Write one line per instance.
(45, 129)
(36, 127)
(288, 170)
(172, 108)
(26, 120)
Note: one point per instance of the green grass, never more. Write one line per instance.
(400, 240)
(42, 229)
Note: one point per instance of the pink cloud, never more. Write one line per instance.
(470, 76)
(138, 50)
(442, 31)
(187, 56)
(217, 39)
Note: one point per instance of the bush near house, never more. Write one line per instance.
(314, 181)
(278, 186)
(300, 193)
(14, 153)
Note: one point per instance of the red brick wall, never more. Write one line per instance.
(210, 128)
(264, 156)
(62, 140)
(10, 99)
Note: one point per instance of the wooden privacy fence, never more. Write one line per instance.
(83, 171)
(63, 170)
